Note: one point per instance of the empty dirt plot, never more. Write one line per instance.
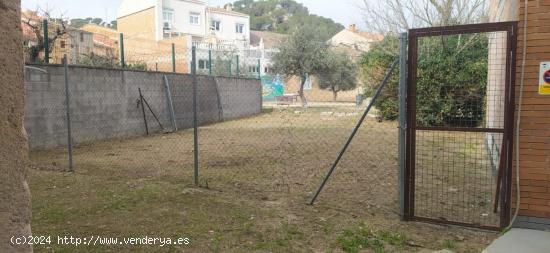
(256, 175)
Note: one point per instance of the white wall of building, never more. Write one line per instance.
(180, 23)
(228, 26)
(182, 11)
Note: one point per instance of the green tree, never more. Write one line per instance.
(283, 16)
(302, 54)
(340, 76)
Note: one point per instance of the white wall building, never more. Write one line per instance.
(193, 18)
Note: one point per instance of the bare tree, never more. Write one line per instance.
(394, 16)
(57, 29)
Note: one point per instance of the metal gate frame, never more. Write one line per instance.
(506, 154)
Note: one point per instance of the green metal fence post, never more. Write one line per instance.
(238, 67)
(210, 61)
(46, 42)
(173, 57)
(122, 62)
(230, 65)
(195, 116)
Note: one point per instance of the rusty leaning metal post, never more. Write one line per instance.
(143, 111)
(68, 109)
(195, 120)
(402, 122)
(354, 132)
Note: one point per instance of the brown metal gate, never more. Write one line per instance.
(460, 114)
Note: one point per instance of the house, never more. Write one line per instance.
(105, 41)
(75, 43)
(151, 26)
(353, 41)
(193, 19)
(534, 128)
(266, 44)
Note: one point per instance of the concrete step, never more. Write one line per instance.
(521, 241)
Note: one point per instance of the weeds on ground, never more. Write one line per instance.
(448, 244)
(362, 237)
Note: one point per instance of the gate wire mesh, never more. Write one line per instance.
(460, 85)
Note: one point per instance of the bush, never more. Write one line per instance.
(451, 84)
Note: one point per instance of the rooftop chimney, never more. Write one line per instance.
(352, 28)
(228, 7)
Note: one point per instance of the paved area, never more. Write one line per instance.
(521, 240)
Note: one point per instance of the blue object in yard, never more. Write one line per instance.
(359, 100)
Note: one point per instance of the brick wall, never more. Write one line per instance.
(535, 116)
(535, 119)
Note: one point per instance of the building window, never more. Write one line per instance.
(239, 28)
(168, 19)
(216, 25)
(62, 44)
(203, 64)
(194, 18)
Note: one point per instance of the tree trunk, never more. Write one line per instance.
(303, 79)
(14, 190)
(334, 95)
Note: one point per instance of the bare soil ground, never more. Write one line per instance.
(455, 180)
(256, 175)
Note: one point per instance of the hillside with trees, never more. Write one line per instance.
(80, 22)
(282, 16)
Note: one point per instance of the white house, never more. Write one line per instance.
(164, 19)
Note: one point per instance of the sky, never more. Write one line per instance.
(344, 12)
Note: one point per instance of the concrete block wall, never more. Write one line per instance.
(238, 97)
(104, 103)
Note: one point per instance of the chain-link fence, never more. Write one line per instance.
(135, 124)
(154, 132)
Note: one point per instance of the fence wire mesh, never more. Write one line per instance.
(138, 125)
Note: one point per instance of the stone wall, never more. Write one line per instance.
(15, 209)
